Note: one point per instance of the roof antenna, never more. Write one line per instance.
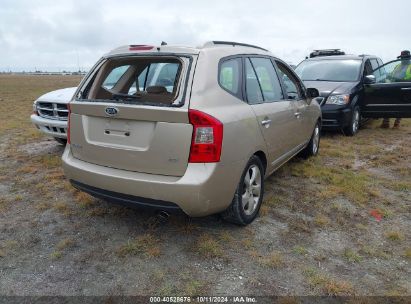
(163, 43)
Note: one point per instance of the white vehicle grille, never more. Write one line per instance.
(52, 110)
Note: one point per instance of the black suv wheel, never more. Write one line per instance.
(354, 124)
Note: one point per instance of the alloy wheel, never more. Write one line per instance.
(251, 190)
(316, 139)
(356, 121)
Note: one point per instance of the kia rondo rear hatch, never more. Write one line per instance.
(132, 114)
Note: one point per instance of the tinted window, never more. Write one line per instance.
(374, 64)
(268, 79)
(329, 70)
(368, 68)
(252, 86)
(291, 83)
(229, 75)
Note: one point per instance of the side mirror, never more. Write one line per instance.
(312, 93)
(370, 79)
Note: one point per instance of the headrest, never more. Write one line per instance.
(156, 90)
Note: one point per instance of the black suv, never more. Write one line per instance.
(340, 80)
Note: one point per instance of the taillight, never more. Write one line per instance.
(207, 138)
(68, 123)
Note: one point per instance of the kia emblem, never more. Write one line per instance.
(111, 111)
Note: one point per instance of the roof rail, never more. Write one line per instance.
(326, 52)
(209, 43)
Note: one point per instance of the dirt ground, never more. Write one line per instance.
(336, 224)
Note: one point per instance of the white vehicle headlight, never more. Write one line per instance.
(35, 107)
(338, 99)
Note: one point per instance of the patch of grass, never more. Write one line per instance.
(43, 206)
(274, 260)
(351, 255)
(98, 211)
(264, 210)
(60, 247)
(355, 185)
(300, 250)
(64, 244)
(63, 208)
(8, 247)
(85, 200)
(276, 200)
(247, 243)
(226, 237)
(146, 245)
(193, 288)
(55, 255)
(407, 253)
(327, 285)
(208, 247)
(28, 169)
(395, 236)
(50, 161)
(321, 220)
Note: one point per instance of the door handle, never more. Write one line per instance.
(266, 122)
(406, 89)
(297, 114)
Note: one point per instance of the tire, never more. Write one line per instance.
(248, 196)
(314, 145)
(354, 125)
(61, 141)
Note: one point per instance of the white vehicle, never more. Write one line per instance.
(50, 113)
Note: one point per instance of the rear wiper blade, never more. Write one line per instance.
(119, 96)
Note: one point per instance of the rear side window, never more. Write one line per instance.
(229, 75)
(139, 80)
(252, 86)
(114, 76)
(268, 79)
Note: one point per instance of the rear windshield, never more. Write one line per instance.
(143, 80)
(329, 70)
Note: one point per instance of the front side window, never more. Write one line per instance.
(136, 80)
(395, 71)
(344, 70)
(291, 84)
(229, 75)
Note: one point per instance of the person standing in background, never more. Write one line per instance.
(402, 72)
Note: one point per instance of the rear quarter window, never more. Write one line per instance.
(229, 75)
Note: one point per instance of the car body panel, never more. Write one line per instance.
(387, 98)
(52, 126)
(154, 163)
(339, 116)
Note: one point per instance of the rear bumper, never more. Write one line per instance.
(204, 188)
(52, 127)
(336, 119)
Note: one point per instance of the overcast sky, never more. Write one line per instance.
(56, 35)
